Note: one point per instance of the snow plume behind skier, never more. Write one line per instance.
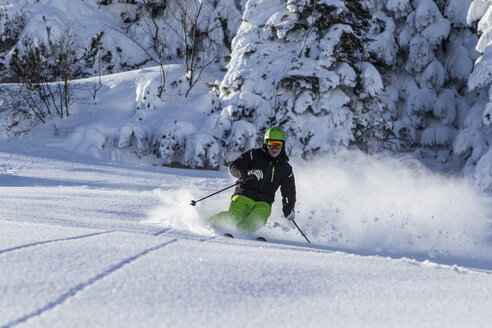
(356, 202)
(383, 205)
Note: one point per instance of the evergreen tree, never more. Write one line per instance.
(428, 83)
(311, 67)
(475, 138)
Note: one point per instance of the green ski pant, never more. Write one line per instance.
(245, 213)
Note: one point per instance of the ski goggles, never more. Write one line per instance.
(274, 144)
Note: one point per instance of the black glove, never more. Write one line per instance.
(249, 175)
(244, 176)
(288, 209)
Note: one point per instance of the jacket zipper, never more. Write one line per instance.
(263, 183)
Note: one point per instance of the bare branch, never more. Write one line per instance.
(136, 43)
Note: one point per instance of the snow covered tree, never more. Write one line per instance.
(335, 74)
(428, 82)
(11, 25)
(132, 34)
(311, 67)
(197, 33)
(475, 139)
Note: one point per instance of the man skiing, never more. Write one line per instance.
(261, 172)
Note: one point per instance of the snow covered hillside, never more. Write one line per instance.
(90, 243)
(95, 217)
(89, 240)
(376, 75)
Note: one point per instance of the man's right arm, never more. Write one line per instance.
(239, 168)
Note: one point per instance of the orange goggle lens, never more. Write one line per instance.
(275, 144)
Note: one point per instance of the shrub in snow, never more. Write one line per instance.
(137, 137)
(171, 141)
(180, 143)
(202, 151)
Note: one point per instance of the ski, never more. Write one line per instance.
(228, 235)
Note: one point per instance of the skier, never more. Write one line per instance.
(261, 171)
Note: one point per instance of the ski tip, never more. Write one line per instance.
(228, 235)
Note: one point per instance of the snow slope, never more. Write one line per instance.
(93, 235)
(95, 232)
(90, 244)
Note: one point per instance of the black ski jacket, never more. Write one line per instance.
(276, 172)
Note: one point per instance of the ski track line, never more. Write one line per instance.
(52, 241)
(181, 234)
(80, 287)
(161, 232)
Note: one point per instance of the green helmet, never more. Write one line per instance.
(275, 134)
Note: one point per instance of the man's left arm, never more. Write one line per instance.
(288, 191)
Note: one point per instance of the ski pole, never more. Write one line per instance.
(302, 233)
(193, 202)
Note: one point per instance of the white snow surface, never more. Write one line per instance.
(90, 241)
(93, 244)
